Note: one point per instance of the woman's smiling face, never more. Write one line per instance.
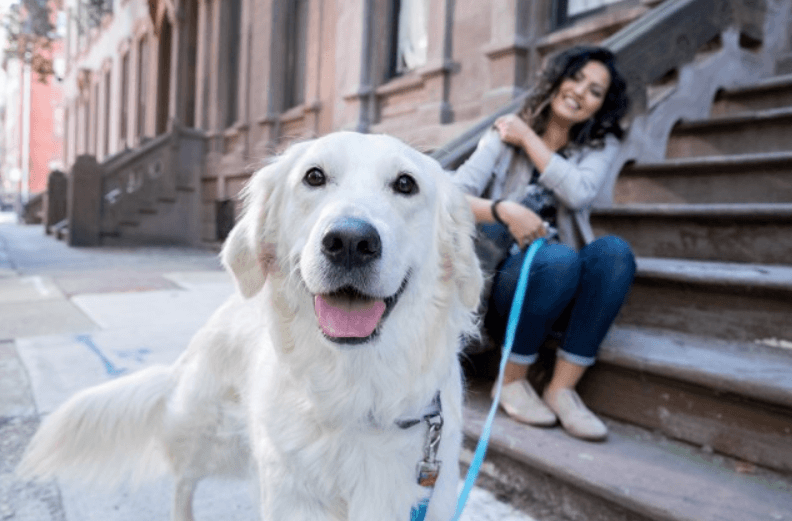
(581, 96)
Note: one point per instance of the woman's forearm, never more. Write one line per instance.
(523, 224)
(482, 209)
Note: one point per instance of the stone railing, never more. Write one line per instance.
(148, 194)
(135, 185)
(648, 49)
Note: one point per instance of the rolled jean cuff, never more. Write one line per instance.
(523, 359)
(584, 361)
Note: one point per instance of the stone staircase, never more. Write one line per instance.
(147, 195)
(714, 241)
(152, 196)
(695, 379)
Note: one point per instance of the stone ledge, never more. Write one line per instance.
(743, 118)
(744, 211)
(735, 276)
(710, 163)
(761, 86)
(752, 370)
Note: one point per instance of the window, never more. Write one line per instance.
(81, 29)
(409, 36)
(69, 44)
(62, 24)
(106, 130)
(86, 104)
(576, 7)
(294, 66)
(124, 97)
(93, 11)
(230, 65)
(191, 65)
(142, 74)
(569, 10)
(66, 131)
(163, 78)
(95, 120)
(207, 52)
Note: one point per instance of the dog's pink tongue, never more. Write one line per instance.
(344, 317)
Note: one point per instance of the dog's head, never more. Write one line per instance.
(354, 224)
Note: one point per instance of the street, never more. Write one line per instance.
(75, 317)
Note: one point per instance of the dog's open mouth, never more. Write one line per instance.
(350, 317)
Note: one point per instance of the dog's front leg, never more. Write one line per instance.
(285, 499)
(183, 498)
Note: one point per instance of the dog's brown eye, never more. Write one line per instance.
(405, 185)
(315, 177)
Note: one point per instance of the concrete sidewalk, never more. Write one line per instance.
(74, 317)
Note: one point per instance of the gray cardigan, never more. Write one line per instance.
(576, 181)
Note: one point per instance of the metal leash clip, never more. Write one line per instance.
(429, 468)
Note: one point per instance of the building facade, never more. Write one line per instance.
(32, 129)
(253, 75)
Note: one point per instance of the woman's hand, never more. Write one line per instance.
(512, 129)
(524, 225)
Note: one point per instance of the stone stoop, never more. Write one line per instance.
(151, 195)
(695, 377)
(636, 475)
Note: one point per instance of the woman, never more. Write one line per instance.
(536, 174)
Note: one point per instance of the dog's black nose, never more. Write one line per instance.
(351, 242)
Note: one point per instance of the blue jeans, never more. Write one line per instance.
(576, 293)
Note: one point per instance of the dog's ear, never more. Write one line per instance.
(457, 249)
(250, 251)
(243, 252)
(240, 256)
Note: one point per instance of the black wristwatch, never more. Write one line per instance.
(494, 210)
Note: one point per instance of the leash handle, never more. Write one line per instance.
(511, 330)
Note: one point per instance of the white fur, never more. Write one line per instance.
(260, 391)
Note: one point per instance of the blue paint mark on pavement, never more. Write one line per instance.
(138, 355)
(111, 369)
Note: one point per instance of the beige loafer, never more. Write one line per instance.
(575, 417)
(521, 402)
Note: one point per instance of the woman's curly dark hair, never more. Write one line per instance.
(592, 132)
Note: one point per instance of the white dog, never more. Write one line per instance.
(357, 280)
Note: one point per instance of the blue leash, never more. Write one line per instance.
(511, 329)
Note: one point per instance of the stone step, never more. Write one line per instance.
(743, 133)
(771, 93)
(635, 475)
(745, 178)
(737, 302)
(755, 232)
(163, 226)
(733, 398)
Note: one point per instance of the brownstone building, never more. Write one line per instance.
(252, 74)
